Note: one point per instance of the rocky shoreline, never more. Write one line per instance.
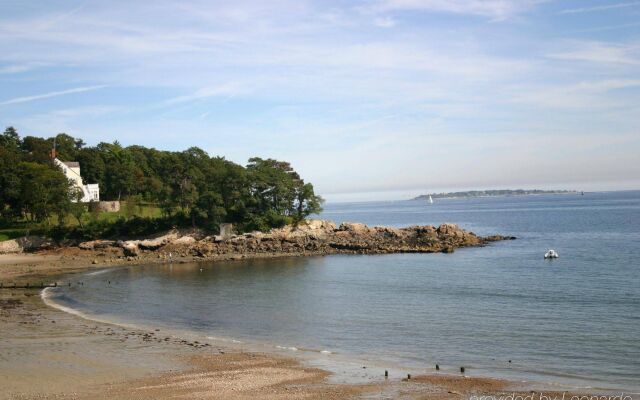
(315, 237)
(37, 260)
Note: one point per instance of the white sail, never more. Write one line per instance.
(430, 200)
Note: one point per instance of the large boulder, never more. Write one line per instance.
(96, 244)
(450, 230)
(315, 225)
(155, 243)
(130, 248)
(355, 228)
(388, 232)
(24, 243)
(185, 240)
(10, 247)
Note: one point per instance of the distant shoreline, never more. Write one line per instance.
(492, 193)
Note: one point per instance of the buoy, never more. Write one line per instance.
(437, 367)
(462, 370)
(551, 254)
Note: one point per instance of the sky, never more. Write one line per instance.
(368, 100)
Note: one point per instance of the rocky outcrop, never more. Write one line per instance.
(97, 244)
(312, 237)
(26, 243)
(157, 242)
(10, 247)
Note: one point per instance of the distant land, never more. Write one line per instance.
(491, 193)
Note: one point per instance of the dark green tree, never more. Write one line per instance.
(10, 139)
(307, 202)
(44, 191)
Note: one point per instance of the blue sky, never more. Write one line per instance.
(368, 100)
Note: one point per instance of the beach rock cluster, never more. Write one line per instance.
(315, 237)
(26, 243)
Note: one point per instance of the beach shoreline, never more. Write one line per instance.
(55, 354)
(313, 238)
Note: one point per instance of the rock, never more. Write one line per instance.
(450, 230)
(24, 243)
(155, 243)
(96, 244)
(495, 238)
(130, 248)
(185, 240)
(354, 228)
(388, 232)
(310, 237)
(10, 247)
(317, 225)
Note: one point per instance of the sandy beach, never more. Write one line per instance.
(49, 354)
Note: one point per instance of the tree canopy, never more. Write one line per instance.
(206, 190)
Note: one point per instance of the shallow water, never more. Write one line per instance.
(573, 320)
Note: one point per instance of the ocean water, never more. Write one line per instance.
(500, 310)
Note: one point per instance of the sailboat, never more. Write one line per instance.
(430, 200)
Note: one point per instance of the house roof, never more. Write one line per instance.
(71, 164)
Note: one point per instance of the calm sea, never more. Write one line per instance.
(500, 310)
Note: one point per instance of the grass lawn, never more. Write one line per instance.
(145, 210)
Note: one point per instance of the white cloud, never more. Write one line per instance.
(229, 89)
(599, 52)
(600, 8)
(589, 95)
(26, 99)
(384, 22)
(495, 9)
(260, 78)
(19, 68)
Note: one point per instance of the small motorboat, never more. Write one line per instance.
(551, 254)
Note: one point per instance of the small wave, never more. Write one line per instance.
(223, 339)
(99, 272)
(47, 298)
(287, 348)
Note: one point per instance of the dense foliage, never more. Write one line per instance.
(189, 186)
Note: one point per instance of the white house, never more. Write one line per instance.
(71, 169)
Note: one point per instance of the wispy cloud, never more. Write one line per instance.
(19, 68)
(250, 77)
(600, 53)
(384, 22)
(588, 95)
(230, 89)
(600, 8)
(495, 9)
(27, 99)
(608, 28)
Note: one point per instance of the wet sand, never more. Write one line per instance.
(46, 353)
